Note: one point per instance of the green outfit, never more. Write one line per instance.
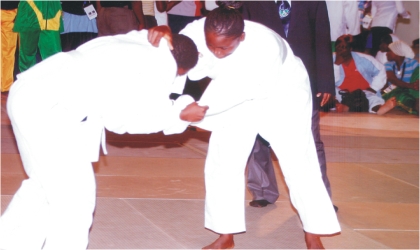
(39, 24)
(406, 98)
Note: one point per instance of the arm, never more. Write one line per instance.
(324, 60)
(161, 5)
(171, 4)
(392, 78)
(138, 12)
(379, 74)
(401, 10)
(155, 34)
(98, 6)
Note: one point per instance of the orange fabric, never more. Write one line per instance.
(8, 48)
(353, 79)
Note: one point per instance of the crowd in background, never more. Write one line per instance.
(40, 29)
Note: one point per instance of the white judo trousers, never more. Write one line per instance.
(59, 110)
(260, 88)
(57, 201)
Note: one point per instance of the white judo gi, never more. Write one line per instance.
(260, 88)
(59, 110)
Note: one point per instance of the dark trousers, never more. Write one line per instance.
(261, 177)
(177, 23)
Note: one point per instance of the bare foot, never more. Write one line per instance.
(313, 241)
(225, 241)
(341, 108)
(388, 105)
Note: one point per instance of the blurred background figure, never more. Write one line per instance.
(384, 14)
(181, 13)
(383, 47)
(8, 43)
(79, 27)
(402, 72)
(39, 24)
(415, 47)
(344, 19)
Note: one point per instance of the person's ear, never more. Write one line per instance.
(242, 37)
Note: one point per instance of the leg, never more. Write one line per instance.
(320, 150)
(262, 181)
(55, 205)
(292, 140)
(28, 45)
(228, 151)
(49, 43)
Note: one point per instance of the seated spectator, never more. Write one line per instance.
(402, 72)
(383, 47)
(415, 48)
(361, 76)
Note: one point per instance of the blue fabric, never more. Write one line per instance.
(409, 64)
(366, 68)
(76, 23)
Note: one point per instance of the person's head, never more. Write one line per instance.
(343, 46)
(224, 28)
(385, 41)
(398, 51)
(185, 53)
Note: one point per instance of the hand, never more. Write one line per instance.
(325, 98)
(193, 112)
(157, 33)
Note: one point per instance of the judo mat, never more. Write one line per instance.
(150, 188)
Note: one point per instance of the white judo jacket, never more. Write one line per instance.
(264, 72)
(121, 83)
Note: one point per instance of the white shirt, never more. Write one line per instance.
(384, 13)
(344, 18)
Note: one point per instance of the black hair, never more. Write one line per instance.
(185, 51)
(347, 40)
(386, 39)
(226, 20)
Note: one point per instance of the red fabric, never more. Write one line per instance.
(353, 79)
(198, 8)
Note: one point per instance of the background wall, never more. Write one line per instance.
(408, 29)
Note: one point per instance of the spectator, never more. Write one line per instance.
(308, 34)
(39, 24)
(383, 47)
(117, 17)
(160, 13)
(181, 13)
(403, 76)
(415, 47)
(344, 18)
(79, 26)
(8, 43)
(145, 12)
(360, 77)
(384, 14)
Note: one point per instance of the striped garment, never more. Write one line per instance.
(406, 70)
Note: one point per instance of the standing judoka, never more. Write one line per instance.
(254, 74)
(59, 110)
